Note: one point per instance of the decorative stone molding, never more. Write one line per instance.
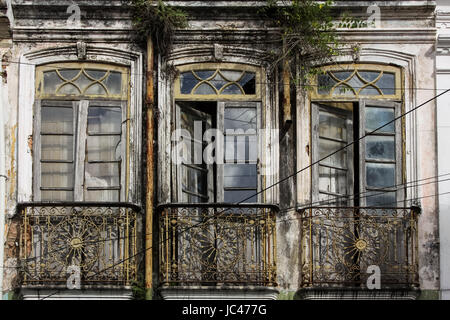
(81, 50)
(357, 294)
(219, 293)
(65, 294)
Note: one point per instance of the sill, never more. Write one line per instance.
(218, 293)
(407, 293)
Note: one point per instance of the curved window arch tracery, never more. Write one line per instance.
(212, 81)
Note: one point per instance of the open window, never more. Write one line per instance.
(348, 103)
(367, 173)
(218, 151)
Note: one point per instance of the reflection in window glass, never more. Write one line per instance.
(103, 153)
(226, 82)
(380, 175)
(377, 117)
(356, 82)
(381, 199)
(57, 153)
(380, 147)
(82, 81)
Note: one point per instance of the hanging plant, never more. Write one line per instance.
(307, 35)
(156, 20)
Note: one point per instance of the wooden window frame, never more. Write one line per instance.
(80, 105)
(80, 108)
(218, 66)
(314, 90)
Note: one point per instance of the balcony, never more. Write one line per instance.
(342, 249)
(217, 245)
(98, 239)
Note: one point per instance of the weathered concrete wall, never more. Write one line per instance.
(406, 39)
(443, 132)
(43, 32)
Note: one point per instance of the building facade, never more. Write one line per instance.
(113, 183)
(442, 67)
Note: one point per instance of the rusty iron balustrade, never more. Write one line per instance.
(98, 238)
(340, 244)
(216, 243)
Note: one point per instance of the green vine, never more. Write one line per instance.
(308, 35)
(156, 20)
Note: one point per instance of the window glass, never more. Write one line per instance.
(82, 81)
(103, 150)
(358, 81)
(377, 117)
(57, 153)
(217, 82)
(333, 171)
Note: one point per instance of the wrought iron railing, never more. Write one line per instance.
(213, 244)
(97, 239)
(343, 247)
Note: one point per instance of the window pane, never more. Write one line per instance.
(240, 118)
(381, 199)
(194, 180)
(69, 74)
(102, 175)
(104, 120)
(376, 117)
(51, 195)
(57, 148)
(218, 81)
(205, 89)
(96, 74)
(231, 89)
(332, 200)
(343, 90)
(240, 175)
(236, 196)
(103, 148)
(101, 195)
(355, 83)
(380, 175)
(96, 89)
(248, 83)
(343, 75)
(204, 74)
(231, 75)
(57, 120)
(114, 82)
(381, 148)
(82, 82)
(327, 147)
(51, 82)
(230, 148)
(240, 148)
(387, 83)
(185, 197)
(69, 89)
(332, 126)
(57, 175)
(325, 83)
(369, 91)
(332, 180)
(369, 76)
(188, 82)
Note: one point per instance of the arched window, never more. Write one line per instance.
(350, 101)
(80, 146)
(225, 100)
